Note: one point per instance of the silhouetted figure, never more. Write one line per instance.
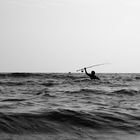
(91, 75)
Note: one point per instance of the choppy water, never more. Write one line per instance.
(61, 106)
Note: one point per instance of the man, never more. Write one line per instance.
(92, 75)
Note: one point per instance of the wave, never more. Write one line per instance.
(45, 93)
(66, 120)
(137, 77)
(126, 92)
(18, 83)
(82, 80)
(65, 76)
(16, 74)
(50, 83)
(22, 75)
(86, 90)
(13, 100)
(12, 83)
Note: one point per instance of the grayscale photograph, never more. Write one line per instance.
(69, 70)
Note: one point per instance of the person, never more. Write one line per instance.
(92, 75)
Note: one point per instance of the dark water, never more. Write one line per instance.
(60, 106)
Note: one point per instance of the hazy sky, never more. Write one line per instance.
(65, 35)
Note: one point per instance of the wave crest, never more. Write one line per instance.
(126, 92)
(63, 120)
(86, 90)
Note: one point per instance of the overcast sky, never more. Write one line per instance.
(65, 35)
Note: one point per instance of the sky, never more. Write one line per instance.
(65, 35)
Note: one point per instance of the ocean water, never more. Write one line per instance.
(69, 106)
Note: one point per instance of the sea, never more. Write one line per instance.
(69, 106)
